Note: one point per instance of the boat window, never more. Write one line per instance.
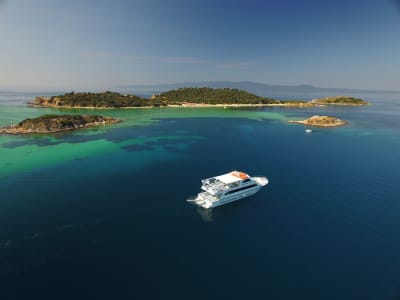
(241, 189)
(234, 184)
(246, 180)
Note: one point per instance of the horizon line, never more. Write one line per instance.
(44, 88)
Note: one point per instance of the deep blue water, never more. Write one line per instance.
(117, 226)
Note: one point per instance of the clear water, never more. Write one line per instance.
(101, 213)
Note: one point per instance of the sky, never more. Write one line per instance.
(108, 43)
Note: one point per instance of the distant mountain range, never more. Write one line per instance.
(261, 89)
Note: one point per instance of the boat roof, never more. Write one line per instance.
(232, 177)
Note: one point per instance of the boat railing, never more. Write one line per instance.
(207, 196)
(214, 187)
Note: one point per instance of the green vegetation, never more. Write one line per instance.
(174, 97)
(340, 100)
(180, 96)
(213, 96)
(55, 123)
(100, 100)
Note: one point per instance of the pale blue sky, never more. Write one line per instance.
(106, 43)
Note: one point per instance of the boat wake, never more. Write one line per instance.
(192, 199)
(205, 214)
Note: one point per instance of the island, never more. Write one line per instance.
(321, 121)
(210, 96)
(52, 123)
(92, 100)
(180, 97)
(183, 97)
(339, 100)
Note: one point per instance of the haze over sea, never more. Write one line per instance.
(101, 213)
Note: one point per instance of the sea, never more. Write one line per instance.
(101, 213)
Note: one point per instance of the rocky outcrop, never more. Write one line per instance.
(57, 123)
(43, 101)
(321, 121)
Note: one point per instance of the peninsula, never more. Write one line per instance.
(57, 123)
(184, 97)
(321, 121)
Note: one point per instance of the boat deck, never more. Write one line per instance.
(205, 199)
(214, 188)
(207, 196)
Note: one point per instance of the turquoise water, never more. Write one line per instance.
(101, 213)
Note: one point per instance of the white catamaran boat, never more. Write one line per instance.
(228, 187)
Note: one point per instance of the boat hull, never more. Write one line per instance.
(235, 197)
(225, 199)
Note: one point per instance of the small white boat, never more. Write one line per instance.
(308, 130)
(227, 188)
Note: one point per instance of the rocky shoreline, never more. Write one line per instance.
(57, 123)
(321, 121)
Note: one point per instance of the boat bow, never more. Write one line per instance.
(261, 180)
